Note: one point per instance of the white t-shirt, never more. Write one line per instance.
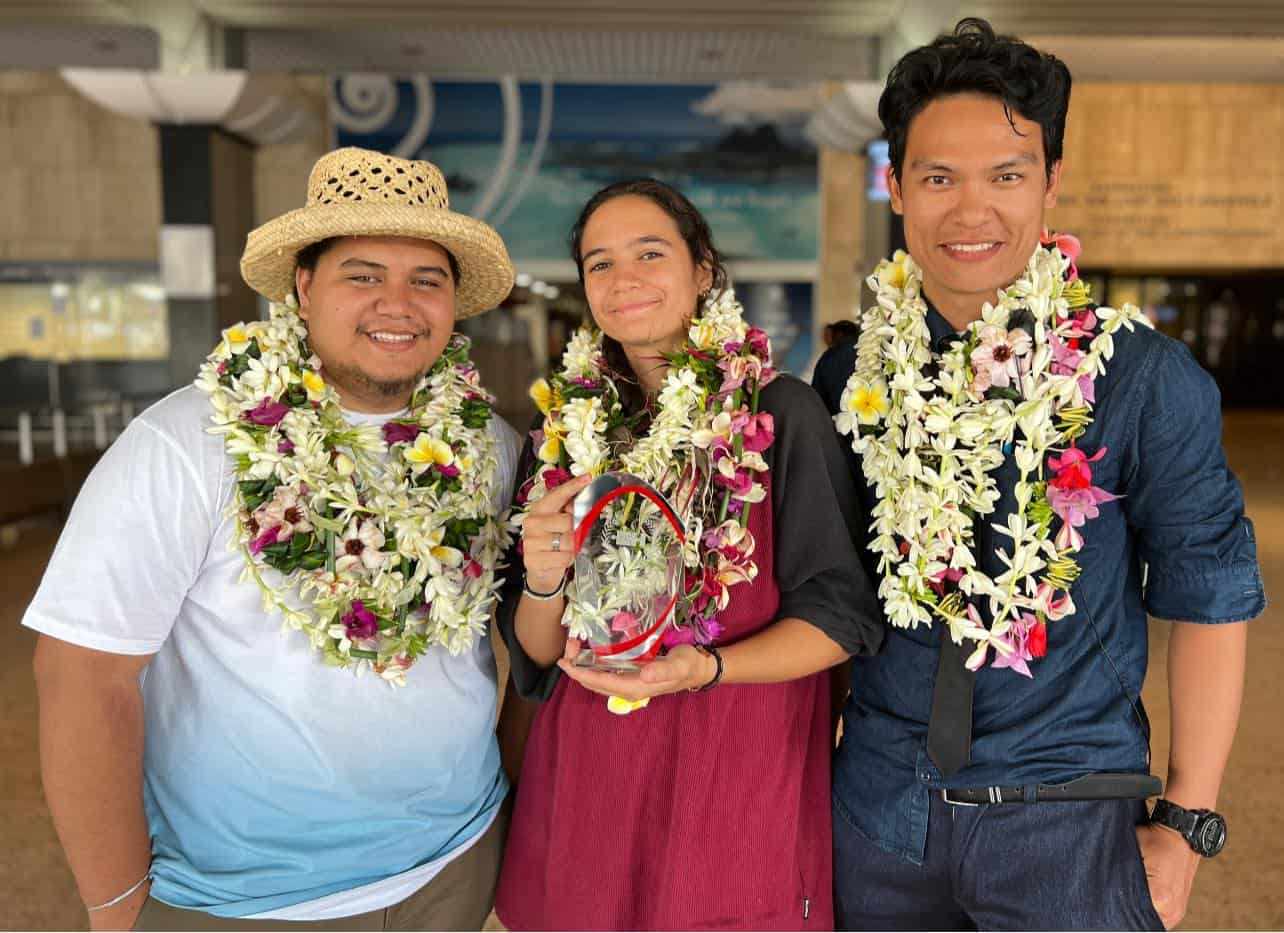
(274, 786)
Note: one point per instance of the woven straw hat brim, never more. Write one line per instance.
(485, 271)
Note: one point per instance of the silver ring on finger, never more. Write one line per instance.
(557, 541)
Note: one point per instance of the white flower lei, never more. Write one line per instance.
(695, 412)
(929, 445)
(392, 545)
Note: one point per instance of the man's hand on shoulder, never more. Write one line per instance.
(1170, 870)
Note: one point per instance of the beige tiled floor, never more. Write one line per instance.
(1242, 889)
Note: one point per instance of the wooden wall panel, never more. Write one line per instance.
(1175, 177)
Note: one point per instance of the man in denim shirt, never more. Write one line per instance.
(1058, 763)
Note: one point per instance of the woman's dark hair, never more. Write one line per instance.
(695, 233)
(973, 60)
(311, 254)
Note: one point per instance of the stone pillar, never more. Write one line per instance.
(842, 234)
(207, 194)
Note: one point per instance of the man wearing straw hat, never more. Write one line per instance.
(267, 697)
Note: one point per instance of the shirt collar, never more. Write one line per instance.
(942, 333)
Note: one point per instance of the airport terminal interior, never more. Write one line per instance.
(141, 140)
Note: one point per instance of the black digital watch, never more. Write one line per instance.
(1203, 830)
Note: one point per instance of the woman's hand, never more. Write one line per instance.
(683, 668)
(548, 536)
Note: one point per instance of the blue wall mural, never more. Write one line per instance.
(525, 156)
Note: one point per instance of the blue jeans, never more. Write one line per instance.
(1041, 866)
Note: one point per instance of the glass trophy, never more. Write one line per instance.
(628, 571)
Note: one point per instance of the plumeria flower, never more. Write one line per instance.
(893, 273)
(236, 339)
(360, 548)
(314, 385)
(994, 360)
(545, 397)
(440, 554)
(867, 401)
(428, 452)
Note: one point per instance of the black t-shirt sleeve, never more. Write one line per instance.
(817, 518)
(532, 681)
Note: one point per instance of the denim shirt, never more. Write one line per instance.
(1176, 545)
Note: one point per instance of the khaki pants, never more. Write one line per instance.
(460, 897)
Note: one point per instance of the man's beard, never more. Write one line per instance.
(358, 378)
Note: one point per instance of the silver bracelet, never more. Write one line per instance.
(543, 597)
(120, 897)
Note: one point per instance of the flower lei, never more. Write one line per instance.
(1019, 380)
(388, 534)
(703, 452)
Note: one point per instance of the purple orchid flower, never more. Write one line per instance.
(397, 432)
(360, 622)
(267, 413)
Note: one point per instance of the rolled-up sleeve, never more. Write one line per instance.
(816, 515)
(1184, 504)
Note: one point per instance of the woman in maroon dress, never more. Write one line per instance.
(709, 809)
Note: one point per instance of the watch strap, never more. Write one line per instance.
(1167, 813)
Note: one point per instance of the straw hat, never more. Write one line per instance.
(356, 192)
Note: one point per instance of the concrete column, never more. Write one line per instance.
(207, 194)
(842, 234)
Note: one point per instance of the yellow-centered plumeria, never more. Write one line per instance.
(235, 339)
(314, 385)
(867, 400)
(427, 452)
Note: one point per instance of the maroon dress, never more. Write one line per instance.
(703, 810)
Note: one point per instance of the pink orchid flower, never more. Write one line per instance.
(626, 624)
(266, 539)
(1017, 639)
(1074, 507)
(1045, 601)
(1065, 362)
(555, 477)
(736, 370)
(759, 432)
(676, 635)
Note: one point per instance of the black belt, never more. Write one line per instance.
(1088, 787)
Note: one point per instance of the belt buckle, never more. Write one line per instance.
(945, 795)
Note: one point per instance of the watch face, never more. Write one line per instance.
(1210, 835)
